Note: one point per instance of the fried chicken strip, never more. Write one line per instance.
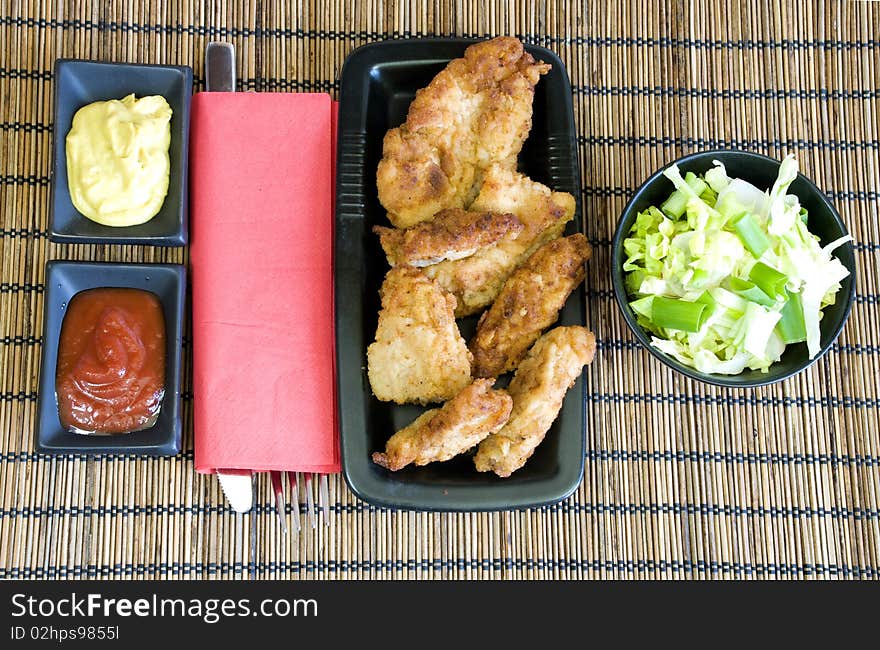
(451, 234)
(477, 111)
(529, 303)
(442, 433)
(552, 366)
(477, 280)
(419, 354)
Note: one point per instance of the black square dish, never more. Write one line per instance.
(377, 84)
(78, 83)
(63, 281)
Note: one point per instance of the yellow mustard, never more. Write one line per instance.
(117, 159)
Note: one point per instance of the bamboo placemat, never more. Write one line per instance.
(682, 480)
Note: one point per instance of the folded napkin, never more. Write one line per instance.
(261, 220)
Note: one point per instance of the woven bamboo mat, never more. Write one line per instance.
(682, 480)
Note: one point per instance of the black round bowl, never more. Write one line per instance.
(761, 171)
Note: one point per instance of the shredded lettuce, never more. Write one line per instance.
(694, 248)
(717, 177)
(784, 208)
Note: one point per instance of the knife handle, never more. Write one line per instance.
(220, 68)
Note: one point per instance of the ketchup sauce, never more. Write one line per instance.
(111, 361)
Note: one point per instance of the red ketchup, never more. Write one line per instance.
(111, 361)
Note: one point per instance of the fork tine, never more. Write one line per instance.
(324, 498)
(280, 507)
(310, 500)
(293, 479)
(294, 502)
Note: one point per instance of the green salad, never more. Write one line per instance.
(724, 274)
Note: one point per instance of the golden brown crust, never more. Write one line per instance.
(529, 302)
(477, 280)
(440, 434)
(475, 112)
(452, 233)
(419, 354)
(551, 367)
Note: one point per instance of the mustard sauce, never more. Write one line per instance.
(118, 165)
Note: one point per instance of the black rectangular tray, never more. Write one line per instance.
(377, 84)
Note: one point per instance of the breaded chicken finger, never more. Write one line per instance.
(477, 111)
(541, 381)
(529, 302)
(440, 434)
(452, 234)
(419, 354)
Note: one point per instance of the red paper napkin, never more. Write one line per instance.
(262, 284)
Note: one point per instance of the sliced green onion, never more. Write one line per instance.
(676, 204)
(749, 291)
(707, 299)
(675, 314)
(770, 281)
(751, 235)
(697, 184)
(791, 326)
(709, 196)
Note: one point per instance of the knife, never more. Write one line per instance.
(220, 77)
